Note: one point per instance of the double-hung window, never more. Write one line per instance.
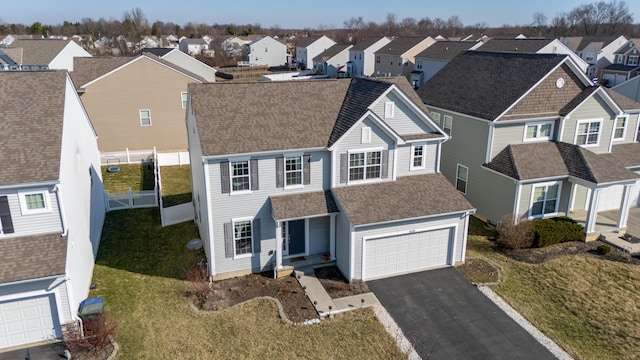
(436, 117)
(544, 200)
(183, 98)
(619, 128)
(462, 178)
(242, 237)
(588, 132)
(538, 131)
(145, 117)
(240, 175)
(293, 170)
(34, 202)
(365, 165)
(447, 124)
(633, 60)
(417, 157)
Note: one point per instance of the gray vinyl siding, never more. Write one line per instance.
(511, 134)
(405, 120)
(256, 204)
(592, 109)
(198, 182)
(580, 198)
(431, 223)
(430, 159)
(64, 303)
(343, 244)
(526, 193)
(430, 67)
(319, 231)
(493, 194)
(352, 142)
(33, 224)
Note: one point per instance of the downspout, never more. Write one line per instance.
(63, 220)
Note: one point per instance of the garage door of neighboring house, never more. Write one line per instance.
(28, 320)
(614, 79)
(391, 255)
(610, 197)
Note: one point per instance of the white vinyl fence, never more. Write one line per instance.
(178, 213)
(132, 200)
(141, 156)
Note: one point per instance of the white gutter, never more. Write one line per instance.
(33, 184)
(20, 282)
(63, 219)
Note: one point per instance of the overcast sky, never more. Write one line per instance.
(291, 14)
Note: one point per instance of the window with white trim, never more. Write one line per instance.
(418, 64)
(619, 59)
(589, 58)
(538, 131)
(389, 109)
(436, 117)
(447, 124)
(377, 59)
(588, 132)
(240, 175)
(365, 165)
(35, 202)
(633, 60)
(619, 128)
(145, 117)
(242, 237)
(462, 178)
(365, 136)
(417, 157)
(544, 200)
(183, 97)
(293, 170)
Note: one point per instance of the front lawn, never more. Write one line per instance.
(139, 272)
(587, 305)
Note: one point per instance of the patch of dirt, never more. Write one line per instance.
(96, 354)
(295, 303)
(479, 271)
(337, 285)
(540, 255)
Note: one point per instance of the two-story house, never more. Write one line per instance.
(333, 61)
(532, 137)
(267, 51)
(51, 205)
(184, 61)
(192, 46)
(43, 54)
(135, 103)
(397, 58)
(361, 55)
(343, 167)
(629, 88)
(435, 57)
(626, 64)
(309, 47)
(597, 51)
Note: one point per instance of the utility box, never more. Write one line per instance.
(91, 306)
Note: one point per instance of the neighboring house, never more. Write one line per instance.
(597, 51)
(361, 56)
(435, 57)
(625, 66)
(532, 137)
(345, 167)
(237, 45)
(192, 47)
(169, 41)
(397, 58)
(135, 103)
(51, 206)
(266, 51)
(309, 47)
(333, 61)
(184, 61)
(629, 88)
(533, 46)
(42, 54)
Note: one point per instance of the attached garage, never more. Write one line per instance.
(28, 320)
(611, 197)
(407, 252)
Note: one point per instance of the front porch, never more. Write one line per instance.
(607, 230)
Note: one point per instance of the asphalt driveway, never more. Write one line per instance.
(445, 317)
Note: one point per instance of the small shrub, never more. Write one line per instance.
(514, 236)
(198, 279)
(98, 331)
(556, 230)
(603, 249)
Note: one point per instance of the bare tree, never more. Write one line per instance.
(539, 23)
(135, 24)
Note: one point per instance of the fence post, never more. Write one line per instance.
(126, 150)
(130, 198)
(106, 201)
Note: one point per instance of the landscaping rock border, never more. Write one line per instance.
(394, 330)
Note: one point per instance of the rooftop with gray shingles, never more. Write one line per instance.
(408, 197)
(331, 52)
(527, 46)
(31, 113)
(627, 155)
(303, 204)
(39, 51)
(445, 50)
(365, 43)
(32, 257)
(400, 45)
(307, 40)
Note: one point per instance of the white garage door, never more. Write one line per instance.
(24, 321)
(614, 79)
(610, 197)
(408, 252)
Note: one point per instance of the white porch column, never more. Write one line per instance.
(572, 198)
(623, 214)
(332, 236)
(278, 245)
(592, 214)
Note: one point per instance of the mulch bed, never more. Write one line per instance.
(540, 255)
(226, 293)
(336, 285)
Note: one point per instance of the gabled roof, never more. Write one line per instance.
(445, 50)
(409, 197)
(365, 43)
(32, 257)
(556, 159)
(32, 114)
(308, 40)
(527, 46)
(622, 101)
(627, 155)
(304, 204)
(621, 67)
(400, 45)
(14, 54)
(331, 52)
(39, 51)
(486, 84)
(582, 96)
(578, 43)
(159, 52)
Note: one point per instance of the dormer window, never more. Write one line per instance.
(633, 60)
(619, 128)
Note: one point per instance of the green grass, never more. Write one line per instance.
(139, 273)
(587, 305)
(176, 185)
(134, 176)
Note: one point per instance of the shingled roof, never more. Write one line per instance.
(32, 257)
(553, 159)
(39, 51)
(485, 84)
(303, 204)
(400, 45)
(31, 114)
(331, 52)
(408, 197)
(365, 43)
(578, 43)
(527, 46)
(308, 40)
(445, 50)
(627, 155)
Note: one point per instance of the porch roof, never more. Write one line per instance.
(32, 257)
(408, 197)
(303, 205)
(627, 155)
(553, 159)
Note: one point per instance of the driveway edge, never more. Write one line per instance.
(394, 330)
(556, 350)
